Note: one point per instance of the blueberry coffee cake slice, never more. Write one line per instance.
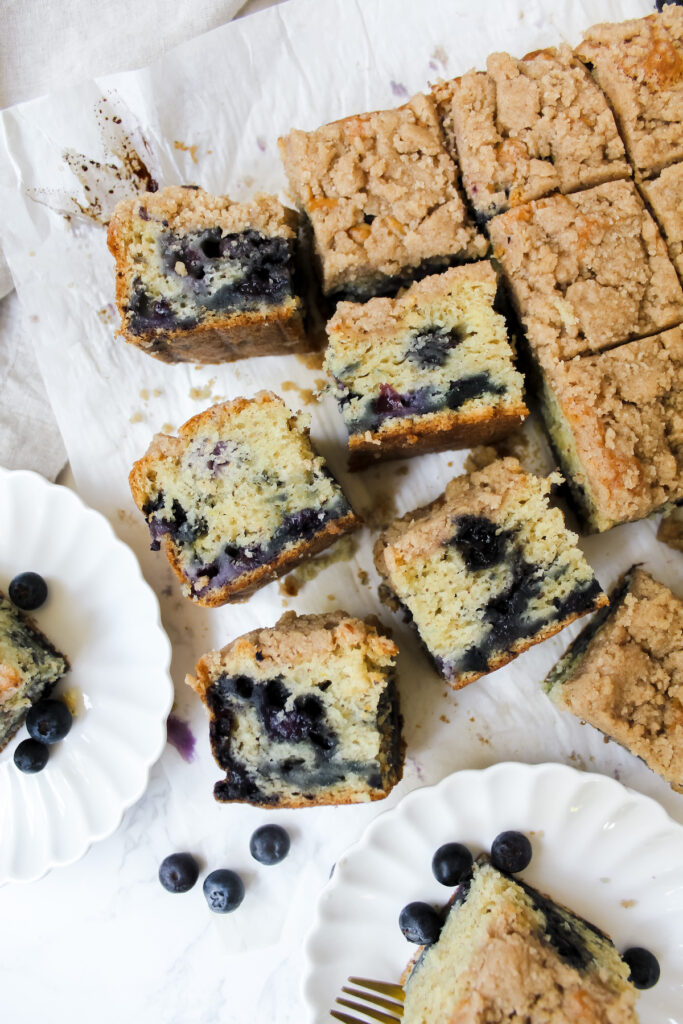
(431, 369)
(238, 498)
(507, 952)
(379, 193)
(614, 420)
(624, 673)
(487, 570)
(665, 196)
(304, 713)
(29, 667)
(202, 279)
(525, 128)
(587, 271)
(639, 65)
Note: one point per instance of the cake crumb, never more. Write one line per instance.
(443, 718)
(331, 597)
(167, 428)
(363, 577)
(203, 392)
(401, 471)
(306, 395)
(137, 417)
(289, 585)
(311, 360)
(604, 879)
(382, 511)
(192, 150)
(144, 394)
(627, 904)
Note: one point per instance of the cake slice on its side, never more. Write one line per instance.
(202, 279)
(624, 674)
(429, 370)
(304, 713)
(238, 498)
(29, 667)
(487, 570)
(508, 953)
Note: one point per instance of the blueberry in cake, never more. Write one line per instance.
(506, 952)
(29, 668)
(304, 713)
(431, 369)
(624, 673)
(614, 422)
(487, 570)
(380, 197)
(525, 128)
(202, 279)
(238, 498)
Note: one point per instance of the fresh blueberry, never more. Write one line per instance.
(48, 721)
(224, 891)
(269, 844)
(31, 756)
(452, 864)
(420, 923)
(28, 591)
(643, 965)
(178, 872)
(511, 852)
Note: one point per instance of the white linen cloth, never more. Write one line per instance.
(45, 46)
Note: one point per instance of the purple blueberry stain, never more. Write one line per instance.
(398, 88)
(261, 143)
(180, 736)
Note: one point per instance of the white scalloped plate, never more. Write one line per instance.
(104, 617)
(612, 855)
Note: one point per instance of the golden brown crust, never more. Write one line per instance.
(433, 433)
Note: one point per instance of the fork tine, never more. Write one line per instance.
(385, 987)
(387, 1004)
(383, 1018)
(345, 1018)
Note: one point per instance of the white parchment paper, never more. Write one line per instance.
(211, 113)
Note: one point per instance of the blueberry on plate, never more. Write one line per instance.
(28, 591)
(178, 872)
(48, 721)
(31, 756)
(420, 923)
(643, 965)
(269, 844)
(510, 852)
(224, 891)
(452, 864)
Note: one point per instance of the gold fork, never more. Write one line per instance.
(390, 1010)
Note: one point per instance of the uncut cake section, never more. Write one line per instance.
(379, 194)
(486, 570)
(428, 370)
(30, 666)
(203, 279)
(507, 952)
(304, 713)
(238, 498)
(525, 128)
(624, 673)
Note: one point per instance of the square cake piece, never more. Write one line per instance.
(380, 195)
(201, 279)
(525, 128)
(639, 65)
(587, 271)
(238, 498)
(431, 369)
(615, 420)
(665, 196)
(304, 713)
(624, 674)
(29, 667)
(487, 570)
(507, 952)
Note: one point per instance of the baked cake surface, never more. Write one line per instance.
(238, 498)
(487, 570)
(304, 713)
(624, 674)
(639, 65)
(665, 196)
(509, 953)
(616, 422)
(587, 271)
(430, 369)
(29, 667)
(200, 278)
(525, 128)
(379, 191)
